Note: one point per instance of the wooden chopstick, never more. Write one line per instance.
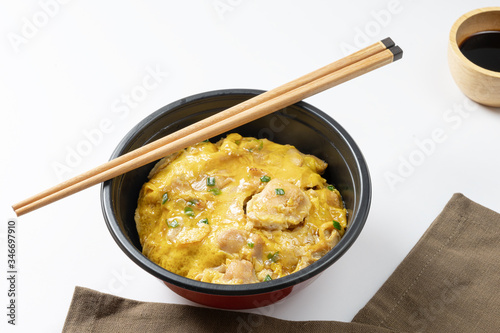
(363, 61)
(362, 54)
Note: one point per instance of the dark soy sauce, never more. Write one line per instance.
(483, 49)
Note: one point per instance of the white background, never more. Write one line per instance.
(68, 66)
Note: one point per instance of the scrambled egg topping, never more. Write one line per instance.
(242, 210)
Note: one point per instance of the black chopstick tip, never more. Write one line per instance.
(388, 42)
(397, 52)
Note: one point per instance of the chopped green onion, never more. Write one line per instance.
(274, 257)
(337, 225)
(250, 245)
(261, 144)
(265, 179)
(237, 142)
(280, 191)
(331, 187)
(268, 278)
(192, 202)
(164, 198)
(206, 140)
(173, 224)
(210, 181)
(203, 221)
(215, 191)
(188, 211)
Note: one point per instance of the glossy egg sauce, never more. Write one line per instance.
(242, 210)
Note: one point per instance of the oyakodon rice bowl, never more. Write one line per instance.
(242, 210)
(301, 125)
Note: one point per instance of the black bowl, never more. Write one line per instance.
(310, 130)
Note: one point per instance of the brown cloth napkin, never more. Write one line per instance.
(449, 282)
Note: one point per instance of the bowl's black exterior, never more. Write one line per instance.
(301, 125)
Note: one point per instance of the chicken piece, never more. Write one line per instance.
(288, 258)
(279, 206)
(239, 272)
(248, 185)
(231, 240)
(329, 235)
(294, 156)
(332, 199)
(328, 238)
(264, 273)
(257, 246)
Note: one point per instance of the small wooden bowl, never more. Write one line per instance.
(479, 84)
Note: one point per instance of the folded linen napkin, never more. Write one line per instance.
(449, 282)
